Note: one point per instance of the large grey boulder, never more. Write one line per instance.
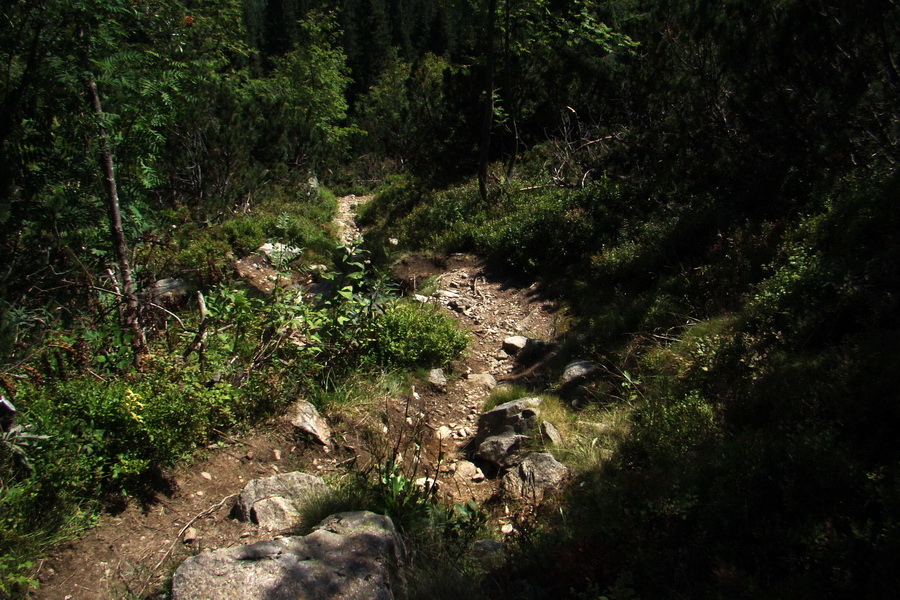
(273, 502)
(306, 419)
(349, 556)
(533, 477)
(503, 431)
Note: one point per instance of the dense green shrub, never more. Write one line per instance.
(414, 335)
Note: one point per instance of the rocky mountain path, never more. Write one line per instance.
(345, 217)
(491, 308)
(133, 548)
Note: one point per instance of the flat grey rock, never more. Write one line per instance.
(514, 344)
(306, 419)
(273, 502)
(578, 371)
(503, 431)
(532, 478)
(349, 556)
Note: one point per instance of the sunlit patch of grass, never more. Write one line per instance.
(595, 436)
(680, 353)
(590, 437)
(359, 393)
(503, 394)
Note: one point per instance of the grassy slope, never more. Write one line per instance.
(753, 355)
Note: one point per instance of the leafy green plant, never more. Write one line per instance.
(14, 576)
(416, 335)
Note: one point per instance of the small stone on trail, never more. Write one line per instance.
(507, 529)
(426, 483)
(466, 470)
(486, 380)
(206, 476)
(277, 454)
(190, 535)
(306, 419)
(550, 432)
(514, 344)
(444, 432)
(437, 379)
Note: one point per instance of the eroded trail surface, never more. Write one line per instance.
(491, 307)
(132, 553)
(345, 219)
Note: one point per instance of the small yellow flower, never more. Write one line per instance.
(132, 402)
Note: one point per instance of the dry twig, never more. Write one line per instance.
(202, 514)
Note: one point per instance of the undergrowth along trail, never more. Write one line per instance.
(133, 549)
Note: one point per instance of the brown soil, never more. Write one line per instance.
(132, 553)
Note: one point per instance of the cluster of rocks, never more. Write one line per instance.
(505, 433)
(347, 556)
(501, 444)
(357, 555)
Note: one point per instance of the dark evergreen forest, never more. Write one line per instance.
(710, 187)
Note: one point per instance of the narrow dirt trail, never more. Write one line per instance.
(132, 551)
(491, 308)
(345, 217)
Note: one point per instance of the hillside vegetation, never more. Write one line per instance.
(710, 188)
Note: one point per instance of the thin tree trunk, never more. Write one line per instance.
(131, 319)
(487, 117)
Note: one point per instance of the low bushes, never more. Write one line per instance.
(414, 335)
